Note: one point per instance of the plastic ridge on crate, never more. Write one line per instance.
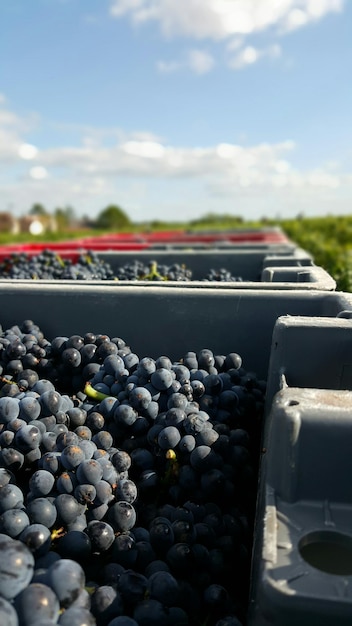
(302, 554)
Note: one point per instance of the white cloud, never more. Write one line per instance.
(168, 67)
(12, 129)
(38, 172)
(144, 149)
(91, 174)
(221, 19)
(197, 61)
(200, 62)
(27, 151)
(250, 55)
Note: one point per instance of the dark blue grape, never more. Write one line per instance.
(75, 545)
(11, 497)
(76, 616)
(85, 493)
(122, 620)
(16, 567)
(164, 587)
(151, 611)
(161, 534)
(37, 538)
(132, 586)
(13, 521)
(124, 551)
(41, 482)
(162, 379)
(50, 461)
(66, 482)
(122, 516)
(28, 438)
(89, 471)
(169, 437)
(68, 509)
(42, 511)
(50, 402)
(8, 614)
(67, 579)
(72, 456)
(107, 603)
(30, 408)
(125, 415)
(9, 409)
(121, 460)
(126, 490)
(36, 603)
(101, 535)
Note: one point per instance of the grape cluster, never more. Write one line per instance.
(137, 270)
(221, 275)
(127, 484)
(48, 265)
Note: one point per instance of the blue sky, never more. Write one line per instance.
(177, 108)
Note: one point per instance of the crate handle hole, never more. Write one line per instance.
(328, 551)
(293, 403)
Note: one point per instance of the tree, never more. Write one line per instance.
(112, 218)
(64, 217)
(38, 209)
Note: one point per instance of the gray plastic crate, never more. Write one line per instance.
(256, 268)
(302, 553)
(302, 556)
(155, 320)
(249, 265)
(158, 320)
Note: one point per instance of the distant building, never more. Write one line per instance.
(9, 224)
(38, 224)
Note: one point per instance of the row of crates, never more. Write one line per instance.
(265, 259)
(293, 329)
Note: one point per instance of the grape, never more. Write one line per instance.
(8, 614)
(72, 456)
(122, 620)
(126, 490)
(124, 551)
(37, 538)
(13, 521)
(11, 497)
(16, 567)
(101, 535)
(66, 578)
(164, 587)
(9, 409)
(76, 545)
(41, 482)
(151, 611)
(122, 516)
(29, 408)
(106, 604)
(132, 586)
(27, 438)
(125, 414)
(68, 509)
(36, 603)
(161, 379)
(76, 616)
(85, 494)
(173, 447)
